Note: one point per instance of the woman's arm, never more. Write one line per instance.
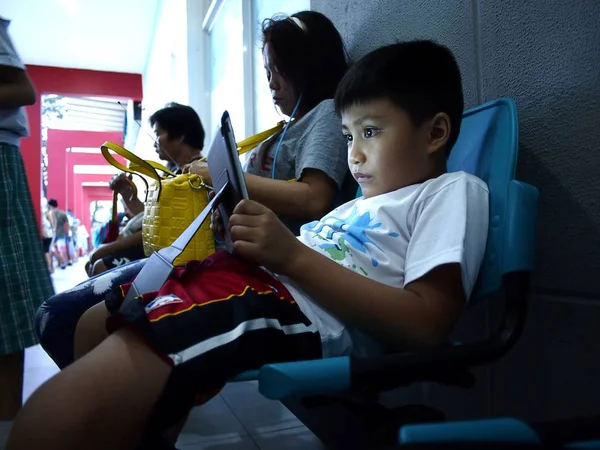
(309, 198)
(16, 89)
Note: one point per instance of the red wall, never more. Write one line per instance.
(66, 186)
(54, 80)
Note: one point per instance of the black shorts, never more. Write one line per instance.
(46, 243)
(213, 320)
(128, 255)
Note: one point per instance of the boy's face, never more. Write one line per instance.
(386, 151)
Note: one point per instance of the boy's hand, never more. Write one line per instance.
(260, 236)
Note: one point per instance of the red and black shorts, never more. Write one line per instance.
(215, 319)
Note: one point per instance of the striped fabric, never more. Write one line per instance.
(24, 278)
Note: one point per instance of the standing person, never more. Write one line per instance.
(61, 233)
(24, 274)
(48, 225)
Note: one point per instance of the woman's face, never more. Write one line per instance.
(281, 89)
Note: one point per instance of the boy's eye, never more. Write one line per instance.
(348, 137)
(369, 132)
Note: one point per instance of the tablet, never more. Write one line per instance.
(225, 168)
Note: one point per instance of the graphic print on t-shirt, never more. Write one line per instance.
(342, 236)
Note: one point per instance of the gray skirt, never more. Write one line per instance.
(24, 279)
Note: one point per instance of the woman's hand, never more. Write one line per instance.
(199, 168)
(216, 222)
(259, 235)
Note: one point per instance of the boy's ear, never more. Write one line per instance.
(439, 132)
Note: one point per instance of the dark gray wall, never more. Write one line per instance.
(546, 56)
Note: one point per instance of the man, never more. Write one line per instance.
(179, 141)
(24, 274)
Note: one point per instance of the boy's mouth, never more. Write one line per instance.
(362, 177)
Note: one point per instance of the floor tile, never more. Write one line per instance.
(238, 443)
(257, 413)
(290, 439)
(211, 422)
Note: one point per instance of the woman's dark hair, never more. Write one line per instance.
(180, 120)
(312, 57)
(420, 77)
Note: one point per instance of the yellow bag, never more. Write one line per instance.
(174, 201)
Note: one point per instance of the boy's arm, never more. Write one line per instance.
(420, 315)
(16, 89)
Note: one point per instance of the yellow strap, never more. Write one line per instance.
(140, 166)
(253, 141)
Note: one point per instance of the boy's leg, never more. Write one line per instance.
(91, 330)
(102, 401)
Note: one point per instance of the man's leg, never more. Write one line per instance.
(56, 319)
(11, 384)
(102, 401)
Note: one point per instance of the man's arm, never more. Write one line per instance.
(16, 89)
(420, 315)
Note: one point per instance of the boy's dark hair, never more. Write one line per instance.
(313, 59)
(52, 202)
(180, 120)
(421, 77)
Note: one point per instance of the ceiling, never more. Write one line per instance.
(107, 35)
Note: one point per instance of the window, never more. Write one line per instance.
(227, 68)
(236, 72)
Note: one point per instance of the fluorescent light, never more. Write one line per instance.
(95, 169)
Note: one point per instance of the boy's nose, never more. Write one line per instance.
(356, 155)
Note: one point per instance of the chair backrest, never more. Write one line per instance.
(488, 147)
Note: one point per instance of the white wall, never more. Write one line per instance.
(165, 78)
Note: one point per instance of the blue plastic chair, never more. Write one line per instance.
(571, 434)
(487, 147)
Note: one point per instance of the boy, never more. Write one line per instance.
(390, 270)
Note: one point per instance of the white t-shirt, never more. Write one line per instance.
(396, 238)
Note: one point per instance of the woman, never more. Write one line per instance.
(305, 59)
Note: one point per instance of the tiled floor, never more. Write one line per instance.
(239, 418)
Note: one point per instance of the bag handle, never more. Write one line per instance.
(138, 165)
(253, 141)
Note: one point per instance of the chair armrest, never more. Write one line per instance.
(500, 431)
